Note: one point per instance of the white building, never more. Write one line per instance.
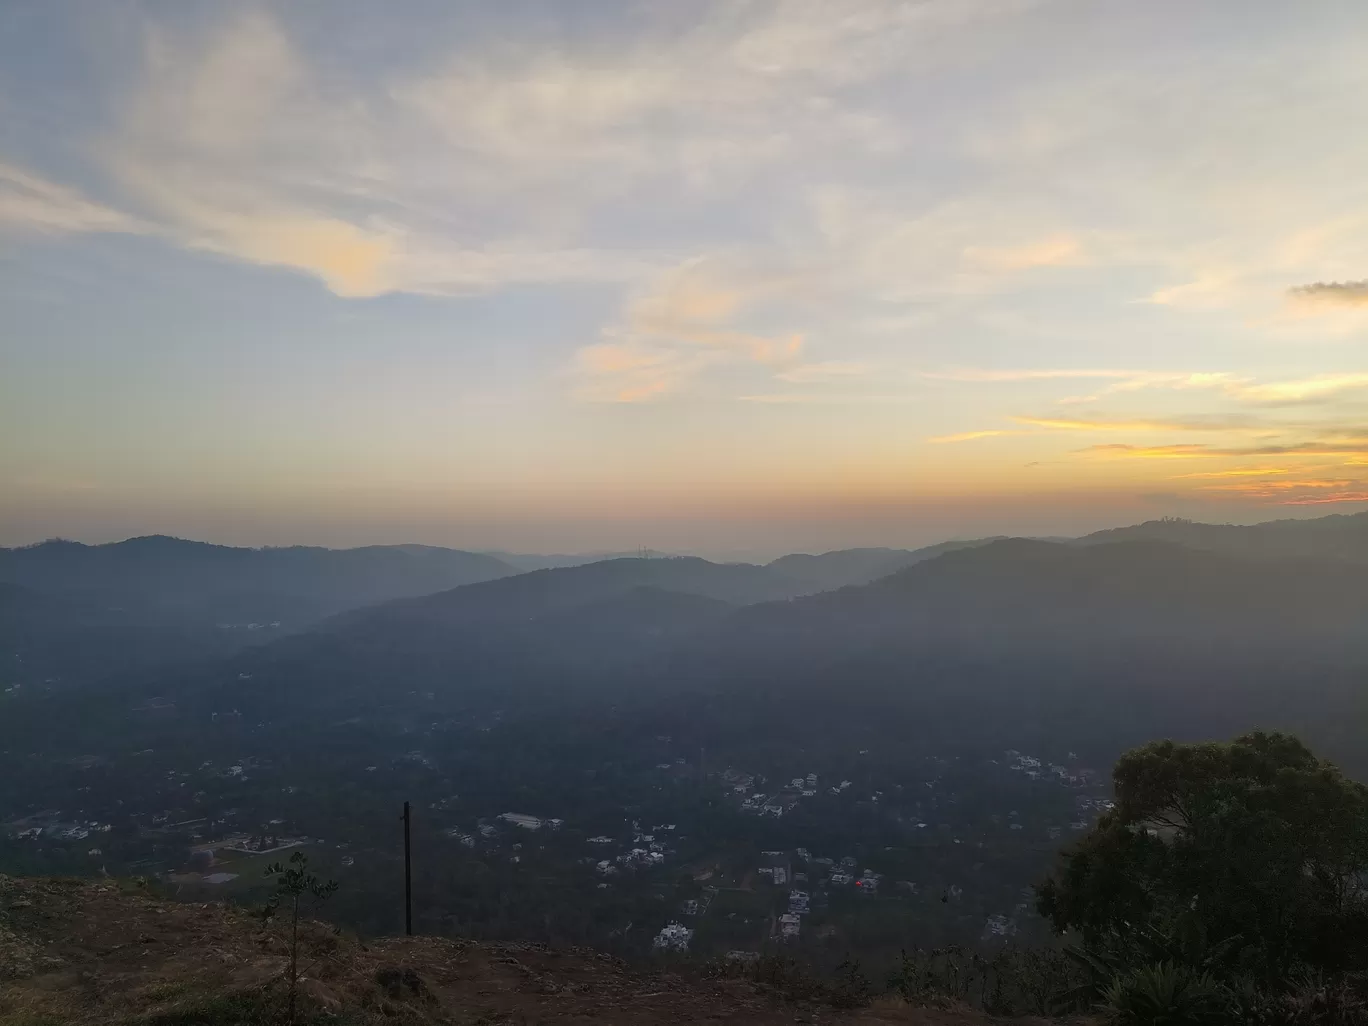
(518, 819)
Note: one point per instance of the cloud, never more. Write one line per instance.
(487, 166)
(1193, 449)
(822, 371)
(1304, 492)
(974, 374)
(635, 372)
(1321, 500)
(1290, 391)
(1084, 424)
(1276, 487)
(1056, 251)
(1299, 449)
(784, 398)
(30, 202)
(1246, 472)
(1123, 380)
(694, 318)
(1331, 294)
(1212, 290)
(234, 144)
(698, 303)
(971, 436)
(1189, 450)
(1301, 390)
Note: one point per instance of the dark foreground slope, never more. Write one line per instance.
(97, 953)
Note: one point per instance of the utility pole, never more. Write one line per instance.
(408, 874)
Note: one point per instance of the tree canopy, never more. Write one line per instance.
(1253, 854)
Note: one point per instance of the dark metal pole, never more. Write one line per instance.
(408, 875)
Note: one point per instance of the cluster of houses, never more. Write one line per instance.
(778, 869)
(1036, 769)
(254, 844)
(777, 803)
(488, 831)
(519, 819)
(648, 849)
(790, 922)
(50, 826)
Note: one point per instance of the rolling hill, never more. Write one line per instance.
(298, 584)
(1338, 536)
(844, 567)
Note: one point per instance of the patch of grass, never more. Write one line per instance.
(166, 991)
(235, 1009)
(218, 1010)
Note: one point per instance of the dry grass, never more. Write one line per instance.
(107, 954)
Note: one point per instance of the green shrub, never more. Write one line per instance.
(1166, 994)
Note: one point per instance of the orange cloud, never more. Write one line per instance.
(1326, 499)
(1270, 487)
(1182, 451)
(1081, 424)
(969, 436)
(1056, 251)
(1249, 472)
(350, 261)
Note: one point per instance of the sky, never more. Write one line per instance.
(736, 277)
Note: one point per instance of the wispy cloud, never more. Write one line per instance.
(824, 370)
(1323, 500)
(973, 436)
(1277, 487)
(32, 203)
(1243, 388)
(1332, 293)
(1097, 424)
(1056, 251)
(636, 372)
(1192, 449)
(1241, 472)
(686, 322)
(1210, 291)
(1301, 390)
(1185, 450)
(485, 167)
(985, 374)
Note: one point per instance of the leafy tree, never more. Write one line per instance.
(294, 885)
(1250, 854)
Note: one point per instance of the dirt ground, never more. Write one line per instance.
(107, 952)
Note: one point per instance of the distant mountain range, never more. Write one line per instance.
(1339, 536)
(1120, 639)
(196, 578)
(449, 618)
(845, 567)
(73, 613)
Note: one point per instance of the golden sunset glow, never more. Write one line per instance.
(788, 274)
